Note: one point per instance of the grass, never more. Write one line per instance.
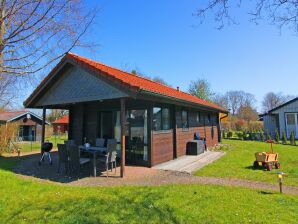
(237, 163)
(28, 201)
(35, 146)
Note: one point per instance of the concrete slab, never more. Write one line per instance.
(189, 164)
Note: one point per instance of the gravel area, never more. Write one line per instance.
(135, 176)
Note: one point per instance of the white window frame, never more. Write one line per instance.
(296, 123)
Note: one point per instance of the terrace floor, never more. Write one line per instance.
(189, 164)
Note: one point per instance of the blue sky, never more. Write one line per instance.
(159, 39)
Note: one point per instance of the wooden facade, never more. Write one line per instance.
(283, 118)
(163, 145)
(151, 122)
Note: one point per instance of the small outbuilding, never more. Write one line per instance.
(29, 124)
(60, 126)
(283, 118)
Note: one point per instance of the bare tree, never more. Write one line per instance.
(35, 33)
(201, 88)
(282, 13)
(272, 100)
(234, 100)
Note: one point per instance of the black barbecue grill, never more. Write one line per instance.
(46, 149)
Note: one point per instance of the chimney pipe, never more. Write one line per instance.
(178, 88)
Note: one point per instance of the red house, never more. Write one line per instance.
(60, 126)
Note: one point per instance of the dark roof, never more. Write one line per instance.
(8, 116)
(285, 104)
(132, 82)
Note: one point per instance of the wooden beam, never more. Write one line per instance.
(43, 127)
(123, 121)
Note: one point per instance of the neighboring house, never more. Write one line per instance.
(151, 122)
(283, 118)
(60, 126)
(29, 124)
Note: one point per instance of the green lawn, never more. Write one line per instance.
(35, 146)
(27, 201)
(237, 163)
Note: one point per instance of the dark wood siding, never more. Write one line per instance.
(77, 123)
(162, 147)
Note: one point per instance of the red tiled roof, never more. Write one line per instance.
(140, 83)
(62, 120)
(7, 115)
(132, 82)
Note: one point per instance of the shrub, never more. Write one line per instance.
(268, 136)
(240, 135)
(277, 136)
(262, 136)
(284, 138)
(230, 134)
(292, 138)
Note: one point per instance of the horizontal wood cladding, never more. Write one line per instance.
(162, 147)
(184, 136)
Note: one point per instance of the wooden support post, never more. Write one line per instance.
(123, 123)
(43, 128)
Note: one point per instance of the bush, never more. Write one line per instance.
(230, 134)
(262, 136)
(268, 136)
(284, 138)
(292, 138)
(240, 135)
(277, 136)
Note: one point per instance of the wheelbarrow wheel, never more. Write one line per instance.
(277, 165)
(255, 164)
(269, 167)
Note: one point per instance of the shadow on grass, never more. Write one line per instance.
(255, 168)
(28, 165)
(265, 192)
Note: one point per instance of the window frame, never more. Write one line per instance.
(187, 119)
(161, 128)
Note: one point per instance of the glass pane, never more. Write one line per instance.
(138, 135)
(198, 118)
(166, 121)
(184, 119)
(290, 119)
(156, 118)
(117, 130)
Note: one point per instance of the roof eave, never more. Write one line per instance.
(183, 101)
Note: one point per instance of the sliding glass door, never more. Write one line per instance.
(137, 138)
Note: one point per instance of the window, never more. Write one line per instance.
(290, 119)
(198, 117)
(184, 116)
(156, 118)
(166, 119)
(161, 119)
(209, 118)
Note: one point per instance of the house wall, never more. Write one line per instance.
(270, 124)
(84, 121)
(289, 108)
(61, 128)
(206, 129)
(163, 141)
